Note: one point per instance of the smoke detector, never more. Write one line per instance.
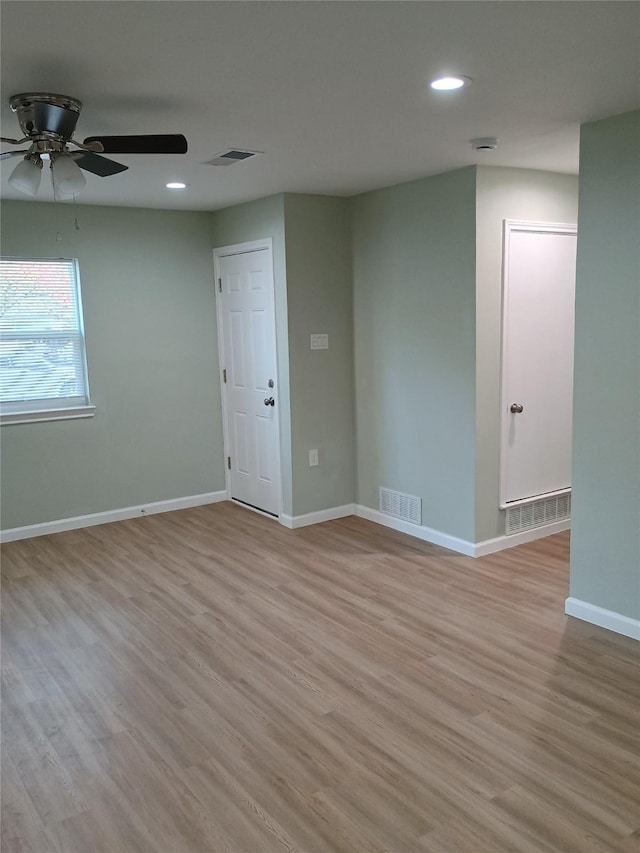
(484, 143)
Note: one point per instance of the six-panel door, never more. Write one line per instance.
(246, 304)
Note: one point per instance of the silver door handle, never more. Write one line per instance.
(269, 401)
(516, 408)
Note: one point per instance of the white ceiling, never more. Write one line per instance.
(334, 93)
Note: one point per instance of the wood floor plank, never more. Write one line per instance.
(170, 685)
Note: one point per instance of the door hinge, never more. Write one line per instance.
(219, 285)
(224, 375)
(229, 462)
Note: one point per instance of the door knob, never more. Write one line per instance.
(269, 401)
(516, 408)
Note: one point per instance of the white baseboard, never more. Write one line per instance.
(292, 522)
(603, 618)
(501, 543)
(78, 521)
(460, 546)
(427, 534)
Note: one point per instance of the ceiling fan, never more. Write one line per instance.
(48, 122)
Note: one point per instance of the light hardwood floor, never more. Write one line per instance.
(206, 680)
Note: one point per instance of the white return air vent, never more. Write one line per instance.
(399, 505)
(537, 513)
(232, 156)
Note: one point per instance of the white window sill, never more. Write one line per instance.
(7, 418)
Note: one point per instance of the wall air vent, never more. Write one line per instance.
(232, 156)
(399, 505)
(538, 513)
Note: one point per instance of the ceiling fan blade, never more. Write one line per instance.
(98, 165)
(172, 143)
(7, 154)
(54, 119)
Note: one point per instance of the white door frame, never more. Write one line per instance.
(218, 253)
(510, 226)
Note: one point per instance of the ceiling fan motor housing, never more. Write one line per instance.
(46, 114)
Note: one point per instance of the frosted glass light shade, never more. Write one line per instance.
(68, 179)
(26, 176)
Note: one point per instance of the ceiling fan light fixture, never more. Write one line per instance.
(26, 175)
(67, 176)
(450, 83)
(48, 122)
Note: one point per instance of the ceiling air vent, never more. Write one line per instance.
(233, 155)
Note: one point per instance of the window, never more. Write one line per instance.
(43, 373)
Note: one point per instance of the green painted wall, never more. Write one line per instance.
(245, 223)
(414, 261)
(605, 541)
(503, 194)
(313, 294)
(319, 300)
(407, 283)
(149, 311)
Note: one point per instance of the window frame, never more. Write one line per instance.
(52, 408)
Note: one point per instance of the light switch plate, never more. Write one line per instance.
(313, 458)
(319, 341)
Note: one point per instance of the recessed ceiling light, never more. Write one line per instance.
(448, 84)
(175, 185)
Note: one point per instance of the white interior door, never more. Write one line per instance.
(247, 326)
(537, 357)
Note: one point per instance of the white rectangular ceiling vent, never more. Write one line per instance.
(399, 505)
(537, 513)
(232, 156)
